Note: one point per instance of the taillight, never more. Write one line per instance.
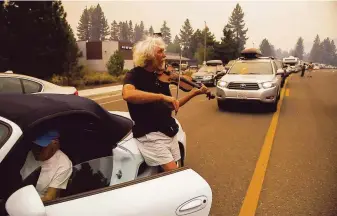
(76, 93)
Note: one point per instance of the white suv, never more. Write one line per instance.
(251, 78)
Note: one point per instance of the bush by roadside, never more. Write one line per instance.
(89, 78)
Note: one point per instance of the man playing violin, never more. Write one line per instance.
(150, 104)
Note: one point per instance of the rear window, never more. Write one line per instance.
(251, 67)
(4, 133)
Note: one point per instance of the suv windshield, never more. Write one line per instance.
(250, 67)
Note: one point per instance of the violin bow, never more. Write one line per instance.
(179, 75)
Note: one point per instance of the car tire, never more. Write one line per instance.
(222, 105)
(273, 106)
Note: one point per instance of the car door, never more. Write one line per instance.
(10, 85)
(176, 193)
(88, 193)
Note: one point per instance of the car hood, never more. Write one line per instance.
(247, 78)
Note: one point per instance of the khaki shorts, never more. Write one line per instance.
(158, 149)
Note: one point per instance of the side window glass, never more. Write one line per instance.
(31, 87)
(4, 133)
(10, 85)
(90, 175)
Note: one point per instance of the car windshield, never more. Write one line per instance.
(251, 67)
(207, 69)
(4, 132)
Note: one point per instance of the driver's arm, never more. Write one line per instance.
(51, 194)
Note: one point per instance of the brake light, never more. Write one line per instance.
(76, 93)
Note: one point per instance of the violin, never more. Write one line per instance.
(186, 83)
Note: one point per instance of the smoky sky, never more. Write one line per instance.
(281, 22)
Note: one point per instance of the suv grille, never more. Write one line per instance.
(243, 86)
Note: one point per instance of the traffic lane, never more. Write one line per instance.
(301, 175)
(223, 147)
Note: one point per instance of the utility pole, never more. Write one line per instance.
(205, 44)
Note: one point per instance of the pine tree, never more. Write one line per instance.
(151, 31)
(299, 48)
(138, 35)
(104, 31)
(114, 31)
(266, 48)
(141, 29)
(131, 32)
(227, 49)
(237, 25)
(123, 31)
(4, 35)
(186, 38)
(175, 46)
(166, 33)
(316, 51)
(99, 25)
(83, 28)
(55, 50)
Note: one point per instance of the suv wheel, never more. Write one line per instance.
(221, 105)
(273, 106)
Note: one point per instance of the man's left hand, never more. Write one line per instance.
(202, 90)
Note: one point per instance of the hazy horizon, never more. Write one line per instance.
(281, 22)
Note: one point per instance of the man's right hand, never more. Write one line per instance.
(172, 102)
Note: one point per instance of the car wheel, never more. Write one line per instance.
(221, 105)
(273, 106)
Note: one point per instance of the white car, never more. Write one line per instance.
(23, 84)
(109, 176)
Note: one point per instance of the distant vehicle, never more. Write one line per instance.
(206, 75)
(293, 61)
(251, 78)
(23, 84)
(214, 63)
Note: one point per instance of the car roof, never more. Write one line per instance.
(27, 110)
(254, 60)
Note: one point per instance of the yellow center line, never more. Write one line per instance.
(251, 200)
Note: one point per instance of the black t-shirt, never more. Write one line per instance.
(150, 117)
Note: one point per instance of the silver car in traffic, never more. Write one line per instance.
(254, 79)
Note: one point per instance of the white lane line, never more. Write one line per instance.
(115, 95)
(111, 101)
(104, 97)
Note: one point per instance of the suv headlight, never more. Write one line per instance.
(268, 85)
(222, 84)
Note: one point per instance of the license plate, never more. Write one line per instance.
(241, 95)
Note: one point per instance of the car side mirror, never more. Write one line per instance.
(25, 202)
(279, 71)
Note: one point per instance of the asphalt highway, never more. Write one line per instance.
(262, 163)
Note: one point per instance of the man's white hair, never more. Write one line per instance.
(144, 50)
